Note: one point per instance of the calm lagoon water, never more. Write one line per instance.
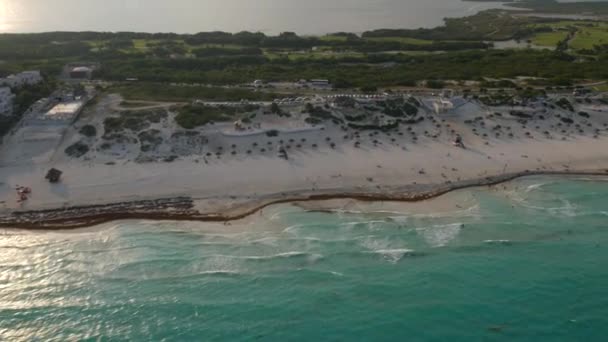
(189, 16)
(524, 263)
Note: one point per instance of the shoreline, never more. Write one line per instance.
(183, 208)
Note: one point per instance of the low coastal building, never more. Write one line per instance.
(6, 101)
(318, 83)
(81, 72)
(23, 78)
(315, 83)
(62, 112)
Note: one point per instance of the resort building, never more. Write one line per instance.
(6, 101)
(81, 72)
(62, 112)
(316, 83)
(320, 83)
(21, 79)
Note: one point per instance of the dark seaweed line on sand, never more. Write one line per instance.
(181, 208)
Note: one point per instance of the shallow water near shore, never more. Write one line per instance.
(521, 260)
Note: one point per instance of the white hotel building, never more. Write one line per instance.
(21, 79)
(6, 101)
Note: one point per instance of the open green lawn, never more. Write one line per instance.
(549, 38)
(294, 56)
(601, 87)
(96, 43)
(140, 44)
(588, 33)
(587, 37)
(332, 38)
(560, 24)
(404, 40)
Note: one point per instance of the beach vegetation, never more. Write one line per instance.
(272, 133)
(88, 131)
(398, 107)
(133, 120)
(564, 104)
(150, 140)
(192, 116)
(77, 150)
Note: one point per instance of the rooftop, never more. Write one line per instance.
(82, 69)
(63, 111)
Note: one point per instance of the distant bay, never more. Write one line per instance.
(191, 16)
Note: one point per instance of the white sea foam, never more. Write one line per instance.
(567, 209)
(293, 228)
(385, 248)
(291, 254)
(533, 187)
(497, 242)
(393, 255)
(440, 235)
(268, 241)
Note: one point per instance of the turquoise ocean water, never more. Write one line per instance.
(528, 262)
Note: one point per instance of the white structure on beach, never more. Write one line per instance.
(447, 102)
(6, 101)
(64, 111)
(21, 79)
(442, 106)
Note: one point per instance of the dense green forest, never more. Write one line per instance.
(462, 49)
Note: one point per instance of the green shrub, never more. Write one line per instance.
(193, 116)
(77, 150)
(88, 131)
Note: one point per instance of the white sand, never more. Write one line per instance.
(325, 169)
(246, 177)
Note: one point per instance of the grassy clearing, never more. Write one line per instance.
(312, 55)
(192, 116)
(140, 44)
(601, 87)
(549, 38)
(587, 37)
(588, 33)
(134, 121)
(333, 38)
(403, 40)
(96, 43)
(560, 24)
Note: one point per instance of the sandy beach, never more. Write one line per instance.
(411, 162)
